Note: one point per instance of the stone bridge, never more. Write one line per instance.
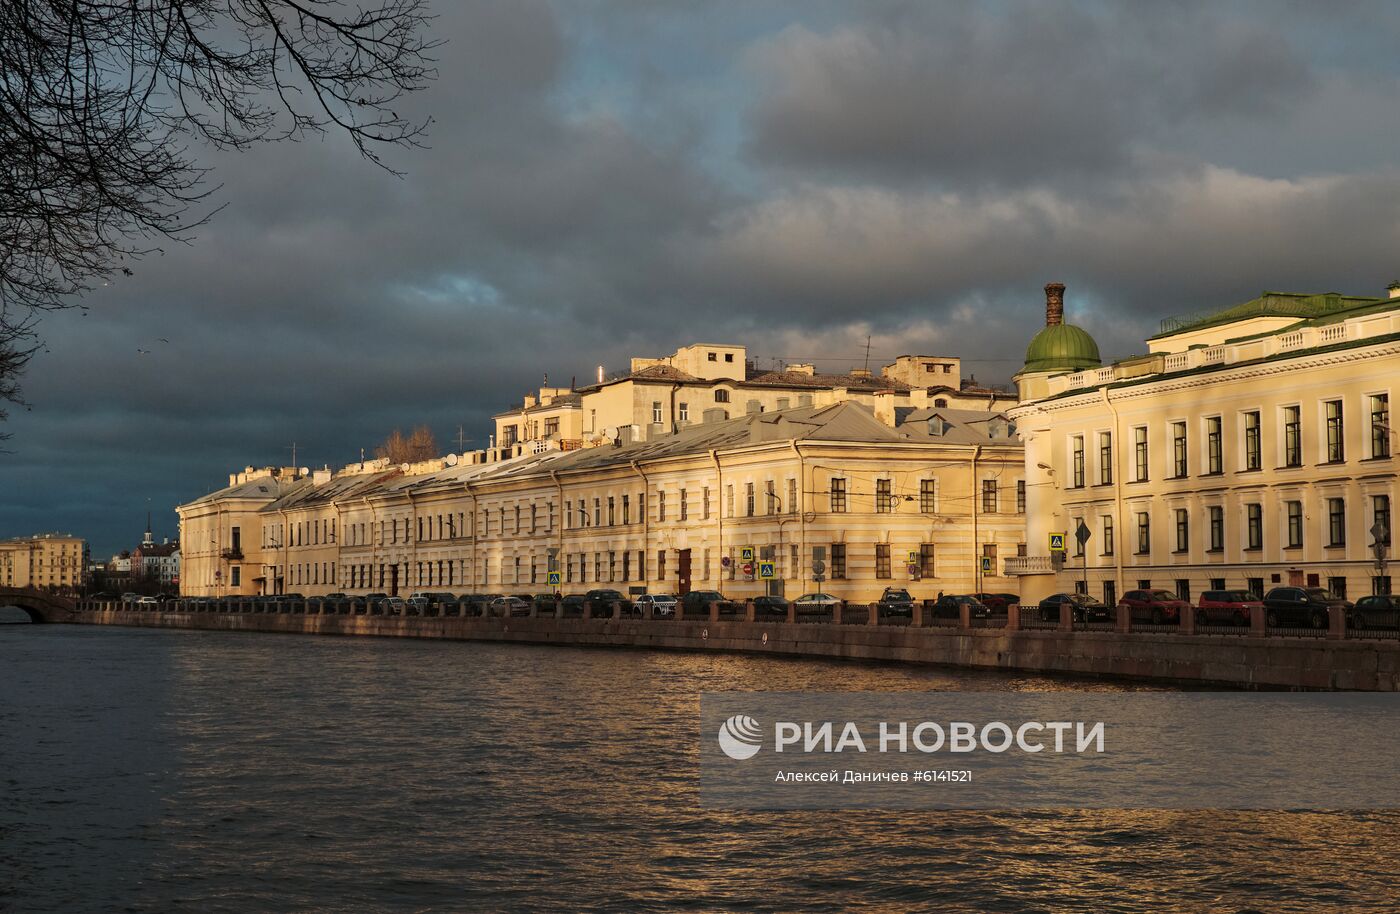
(41, 606)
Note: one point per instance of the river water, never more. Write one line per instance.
(157, 771)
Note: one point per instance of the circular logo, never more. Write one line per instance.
(740, 737)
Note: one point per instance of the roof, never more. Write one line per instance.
(1302, 305)
(800, 379)
(269, 487)
(1062, 347)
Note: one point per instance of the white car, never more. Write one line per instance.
(816, 601)
(508, 606)
(661, 604)
(147, 601)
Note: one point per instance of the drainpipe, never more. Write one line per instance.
(801, 512)
(413, 533)
(645, 507)
(976, 495)
(476, 570)
(373, 545)
(1118, 530)
(675, 427)
(286, 547)
(719, 514)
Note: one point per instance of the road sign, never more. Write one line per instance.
(746, 554)
(1057, 542)
(986, 564)
(726, 561)
(747, 568)
(913, 556)
(913, 567)
(766, 570)
(819, 567)
(1082, 533)
(554, 578)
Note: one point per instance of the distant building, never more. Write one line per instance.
(706, 382)
(842, 497)
(49, 561)
(1250, 447)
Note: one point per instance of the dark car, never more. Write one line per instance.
(770, 605)
(1376, 612)
(949, 606)
(1227, 607)
(699, 600)
(1159, 607)
(1301, 606)
(573, 604)
(375, 602)
(896, 601)
(1084, 608)
(997, 602)
(603, 598)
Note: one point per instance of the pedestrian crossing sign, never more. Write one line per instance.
(766, 570)
(1057, 542)
(746, 554)
(554, 578)
(986, 563)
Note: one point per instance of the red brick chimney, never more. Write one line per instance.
(1054, 303)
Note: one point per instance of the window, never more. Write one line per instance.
(882, 560)
(792, 496)
(1215, 459)
(656, 412)
(1336, 522)
(1255, 586)
(1074, 525)
(684, 504)
(838, 495)
(721, 396)
(1105, 459)
(712, 356)
(236, 576)
(1380, 511)
(1380, 425)
(1338, 587)
(1144, 531)
(598, 512)
(1107, 526)
(928, 496)
(1295, 524)
(534, 517)
(551, 427)
(1336, 446)
(989, 551)
(1251, 440)
(729, 356)
(705, 503)
(1292, 436)
(838, 561)
(683, 412)
(884, 502)
(1183, 588)
(1179, 466)
(1076, 450)
(1380, 584)
(1217, 528)
(1020, 496)
(1140, 452)
(612, 511)
(661, 504)
(1254, 526)
(989, 496)
(626, 509)
(749, 499)
(926, 563)
(729, 500)
(1183, 530)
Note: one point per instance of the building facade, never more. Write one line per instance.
(924, 498)
(1248, 448)
(48, 561)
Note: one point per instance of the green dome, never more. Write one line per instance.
(1062, 347)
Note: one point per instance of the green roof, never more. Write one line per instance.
(1300, 305)
(1062, 347)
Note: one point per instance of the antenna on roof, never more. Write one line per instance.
(293, 449)
(867, 352)
(462, 441)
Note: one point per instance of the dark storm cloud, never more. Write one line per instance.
(618, 179)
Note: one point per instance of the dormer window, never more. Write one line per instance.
(941, 402)
(996, 427)
(936, 426)
(721, 396)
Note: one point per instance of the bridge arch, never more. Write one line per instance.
(38, 605)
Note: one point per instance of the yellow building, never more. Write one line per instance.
(1248, 448)
(896, 497)
(709, 382)
(50, 561)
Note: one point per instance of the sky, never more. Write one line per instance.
(609, 179)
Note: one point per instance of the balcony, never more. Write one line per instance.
(1018, 565)
(232, 555)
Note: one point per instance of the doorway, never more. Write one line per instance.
(683, 571)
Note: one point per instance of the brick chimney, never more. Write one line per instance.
(1054, 303)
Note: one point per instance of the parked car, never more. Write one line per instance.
(816, 603)
(1085, 608)
(1227, 607)
(770, 605)
(544, 602)
(998, 602)
(660, 604)
(1301, 606)
(603, 598)
(375, 601)
(130, 597)
(147, 601)
(949, 606)
(573, 604)
(1376, 612)
(508, 606)
(896, 601)
(1159, 607)
(699, 600)
(394, 606)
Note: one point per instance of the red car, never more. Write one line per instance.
(1227, 607)
(1160, 607)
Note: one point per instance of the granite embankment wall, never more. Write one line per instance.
(1243, 660)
